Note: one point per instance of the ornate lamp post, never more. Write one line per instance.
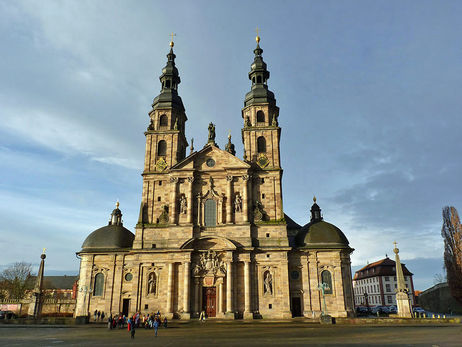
(325, 318)
(85, 290)
(366, 301)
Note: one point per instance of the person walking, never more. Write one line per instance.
(132, 331)
(102, 316)
(165, 322)
(99, 314)
(156, 326)
(95, 315)
(109, 322)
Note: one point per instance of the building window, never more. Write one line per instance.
(99, 285)
(261, 145)
(387, 287)
(163, 120)
(262, 180)
(162, 148)
(160, 183)
(210, 213)
(327, 279)
(128, 277)
(263, 196)
(387, 278)
(260, 117)
(389, 299)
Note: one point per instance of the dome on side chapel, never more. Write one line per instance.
(111, 236)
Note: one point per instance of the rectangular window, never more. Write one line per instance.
(389, 299)
(387, 278)
(387, 287)
(146, 307)
(270, 306)
(158, 198)
(160, 183)
(262, 180)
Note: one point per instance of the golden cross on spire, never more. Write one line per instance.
(395, 243)
(171, 42)
(44, 250)
(258, 37)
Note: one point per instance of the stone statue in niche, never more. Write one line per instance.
(247, 122)
(268, 283)
(183, 205)
(238, 203)
(152, 283)
(151, 125)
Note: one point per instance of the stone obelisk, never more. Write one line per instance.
(35, 309)
(402, 295)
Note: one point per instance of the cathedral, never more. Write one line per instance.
(212, 235)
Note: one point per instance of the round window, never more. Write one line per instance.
(210, 162)
(128, 277)
(295, 275)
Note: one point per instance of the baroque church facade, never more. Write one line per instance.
(212, 234)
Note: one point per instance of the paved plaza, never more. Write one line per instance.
(236, 334)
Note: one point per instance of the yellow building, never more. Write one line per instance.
(212, 234)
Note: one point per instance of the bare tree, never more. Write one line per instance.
(16, 280)
(452, 235)
(439, 278)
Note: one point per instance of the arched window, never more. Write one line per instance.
(167, 84)
(162, 148)
(258, 79)
(327, 279)
(260, 117)
(99, 285)
(261, 145)
(163, 120)
(210, 213)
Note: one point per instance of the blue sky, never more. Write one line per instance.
(369, 97)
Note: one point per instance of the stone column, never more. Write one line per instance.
(199, 210)
(173, 209)
(229, 205)
(245, 198)
(186, 297)
(219, 299)
(305, 273)
(170, 290)
(247, 312)
(190, 200)
(196, 295)
(229, 289)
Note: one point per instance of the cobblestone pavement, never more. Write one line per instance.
(236, 333)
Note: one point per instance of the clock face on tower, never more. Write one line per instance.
(210, 162)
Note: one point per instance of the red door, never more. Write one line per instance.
(209, 301)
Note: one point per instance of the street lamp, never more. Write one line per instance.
(323, 287)
(367, 302)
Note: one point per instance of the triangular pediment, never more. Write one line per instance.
(211, 158)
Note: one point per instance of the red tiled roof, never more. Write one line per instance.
(383, 267)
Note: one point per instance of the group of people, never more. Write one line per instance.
(153, 321)
(98, 315)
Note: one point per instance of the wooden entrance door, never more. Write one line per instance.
(209, 301)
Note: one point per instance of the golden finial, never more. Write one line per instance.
(258, 37)
(229, 135)
(314, 199)
(395, 250)
(171, 42)
(117, 203)
(44, 250)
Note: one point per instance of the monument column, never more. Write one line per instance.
(229, 205)
(245, 202)
(186, 296)
(190, 200)
(247, 313)
(402, 295)
(173, 181)
(170, 290)
(229, 290)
